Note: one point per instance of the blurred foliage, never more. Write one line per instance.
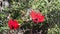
(18, 9)
(55, 30)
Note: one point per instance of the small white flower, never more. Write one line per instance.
(6, 3)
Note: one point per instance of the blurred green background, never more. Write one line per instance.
(18, 8)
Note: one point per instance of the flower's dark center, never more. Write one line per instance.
(36, 19)
(12, 27)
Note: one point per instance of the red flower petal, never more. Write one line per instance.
(40, 17)
(33, 14)
(16, 25)
(13, 24)
(36, 17)
(10, 23)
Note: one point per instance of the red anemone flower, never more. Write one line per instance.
(36, 17)
(13, 24)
